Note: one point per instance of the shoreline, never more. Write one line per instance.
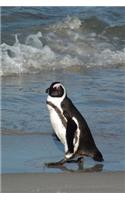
(96, 182)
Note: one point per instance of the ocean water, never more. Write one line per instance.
(84, 48)
(37, 39)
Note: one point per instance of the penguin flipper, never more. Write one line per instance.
(70, 133)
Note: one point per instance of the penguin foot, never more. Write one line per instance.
(79, 160)
(63, 161)
(55, 164)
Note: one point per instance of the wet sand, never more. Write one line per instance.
(64, 182)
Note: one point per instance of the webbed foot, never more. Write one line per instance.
(79, 160)
(56, 164)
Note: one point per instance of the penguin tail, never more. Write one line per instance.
(98, 156)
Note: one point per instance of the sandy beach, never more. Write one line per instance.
(112, 182)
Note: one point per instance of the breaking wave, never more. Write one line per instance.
(68, 43)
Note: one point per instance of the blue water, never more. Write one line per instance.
(48, 38)
(84, 48)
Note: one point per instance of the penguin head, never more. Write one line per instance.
(56, 89)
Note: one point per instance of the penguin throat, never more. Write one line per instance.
(56, 100)
(57, 110)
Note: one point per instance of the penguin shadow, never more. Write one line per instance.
(70, 165)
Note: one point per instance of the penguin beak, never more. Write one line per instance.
(47, 90)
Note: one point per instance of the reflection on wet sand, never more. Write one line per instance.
(80, 167)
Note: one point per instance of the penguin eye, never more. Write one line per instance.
(55, 88)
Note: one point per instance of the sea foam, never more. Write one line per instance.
(60, 46)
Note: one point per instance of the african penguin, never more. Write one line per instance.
(70, 126)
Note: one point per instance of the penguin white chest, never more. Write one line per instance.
(57, 125)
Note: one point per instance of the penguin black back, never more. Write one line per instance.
(86, 143)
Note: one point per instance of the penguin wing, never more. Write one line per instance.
(70, 131)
